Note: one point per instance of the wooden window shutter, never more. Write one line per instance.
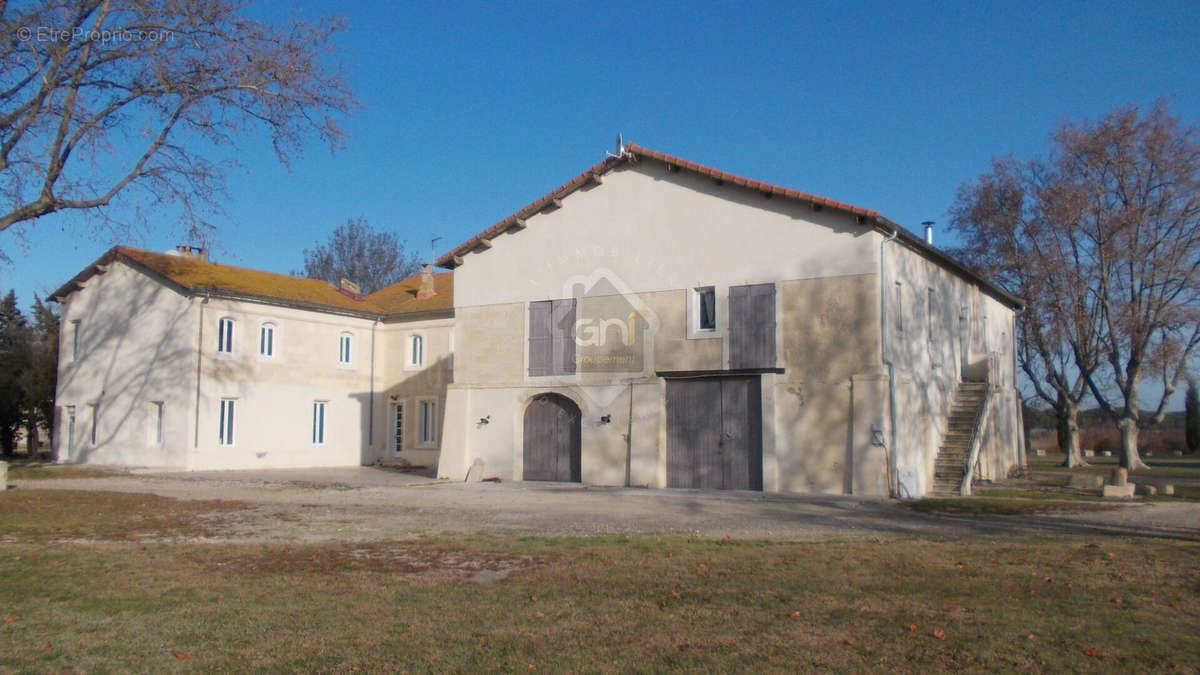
(540, 339)
(752, 326)
(564, 336)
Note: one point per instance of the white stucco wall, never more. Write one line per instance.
(274, 396)
(932, 353)
(659, 230)
(136, 345)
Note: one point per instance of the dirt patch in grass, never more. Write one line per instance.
(412, 557)
(1005, 505)
(36, 515)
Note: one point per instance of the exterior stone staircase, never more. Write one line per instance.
(951, 463)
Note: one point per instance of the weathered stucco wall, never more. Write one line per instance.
(136, 346)
(402, 383)
(940, 327)
(833, 389)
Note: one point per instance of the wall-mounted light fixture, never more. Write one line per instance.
(605, 419)
(484, 420)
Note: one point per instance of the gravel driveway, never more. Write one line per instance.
(364, 503)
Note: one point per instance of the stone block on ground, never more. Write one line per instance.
(1106, 453)
(1178, 453)
(1089, 453)
(1168, 490)
(1147, 490)
(1085, 481)
(3, 476)
(1039, 453)
(1119, 491)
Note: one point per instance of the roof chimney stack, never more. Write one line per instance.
(350, 287)
(928, 231)
(189, 251)
(426, 290)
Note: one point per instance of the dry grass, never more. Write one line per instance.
(36, 470)
(49, 515)
(571, 604)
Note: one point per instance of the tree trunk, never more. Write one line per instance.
(1130, 459)
(1071, 436)
(31, 436)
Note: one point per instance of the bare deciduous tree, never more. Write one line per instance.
(368, 257)
(1006, 223)
(106, 102)
(1103, 238)
(1130, 185)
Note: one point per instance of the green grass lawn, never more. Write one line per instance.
(82, 589)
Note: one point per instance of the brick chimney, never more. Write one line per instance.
(350, 287)
(426, 290)
(189, 251)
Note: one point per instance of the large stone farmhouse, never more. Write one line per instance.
(651, 322)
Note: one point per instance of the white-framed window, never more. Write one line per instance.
(318, 428)
(899, 308)
(225, 336)
(416, 351)
(345, 344)
(225, 426)
(704, 310)
(155, 428)
(266, 340)
(705, 298)
(95, 421)
(929, 313)
(427, 421)
(74, 339)
(70, 429)
(397, 427)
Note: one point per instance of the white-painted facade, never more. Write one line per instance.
(149, 373)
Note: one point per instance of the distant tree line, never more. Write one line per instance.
(28, 373)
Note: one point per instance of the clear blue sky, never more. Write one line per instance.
(471, 111)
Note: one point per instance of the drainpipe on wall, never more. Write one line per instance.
(885, 353)
(199, 361)
(371, 393)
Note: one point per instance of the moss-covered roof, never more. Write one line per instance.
(193, 274)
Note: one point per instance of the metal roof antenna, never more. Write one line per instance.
(620, 148)
(433, 247)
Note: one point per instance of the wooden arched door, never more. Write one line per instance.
(552, 445)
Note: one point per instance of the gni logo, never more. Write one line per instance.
(613, 326)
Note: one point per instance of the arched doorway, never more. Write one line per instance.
(552, 439)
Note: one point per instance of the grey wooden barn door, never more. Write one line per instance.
(552, 446)
(714, 433)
